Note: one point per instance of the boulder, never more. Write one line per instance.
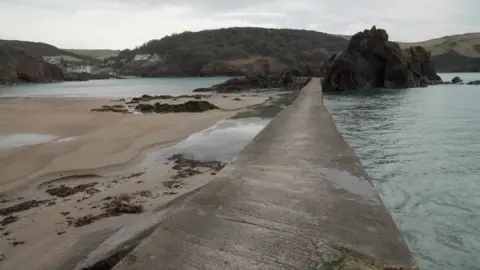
(146, 97)
(372, 61)
(456, 80)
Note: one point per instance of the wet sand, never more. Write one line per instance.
(80, 179)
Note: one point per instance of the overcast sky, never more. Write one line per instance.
(119, 24)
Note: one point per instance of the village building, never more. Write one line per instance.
(80, 69)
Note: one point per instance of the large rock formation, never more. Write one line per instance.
(371, 61)
(18, 66)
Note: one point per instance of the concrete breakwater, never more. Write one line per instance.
(296, 197)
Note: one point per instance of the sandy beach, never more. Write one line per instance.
(68, 174)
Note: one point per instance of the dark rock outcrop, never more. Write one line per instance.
(457, 79)
(17, 66)
(145, 108)
(371, 61)
(195, 106)
(114, 108)
(284, 80)
(477, 82)
(146, 97)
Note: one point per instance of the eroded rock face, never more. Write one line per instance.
(371, 61)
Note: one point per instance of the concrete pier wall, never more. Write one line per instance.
(296, 197)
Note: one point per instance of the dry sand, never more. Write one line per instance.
(89, 147)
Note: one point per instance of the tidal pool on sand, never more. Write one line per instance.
(24, 139)
(221, 142)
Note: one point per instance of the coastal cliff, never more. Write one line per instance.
(371, 60)
(17, 66)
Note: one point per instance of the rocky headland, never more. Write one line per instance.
(372, 61)
(17, 66)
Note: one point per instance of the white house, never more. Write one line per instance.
(141, 57)
(80, 69)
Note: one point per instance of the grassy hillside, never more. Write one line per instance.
(189, 52)
(98, 54)
(466, 44)
(456, 53)
(38, 49)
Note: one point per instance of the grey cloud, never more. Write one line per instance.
(127, 23)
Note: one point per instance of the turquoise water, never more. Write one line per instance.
(422, 149)
(111, 88)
